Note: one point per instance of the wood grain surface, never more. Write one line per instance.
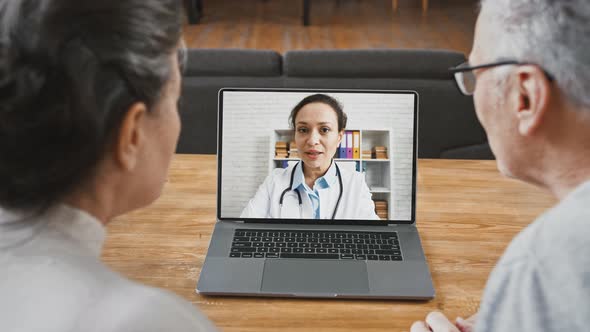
(334, 24)
(467, 213)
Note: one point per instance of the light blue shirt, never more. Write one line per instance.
(542, 281)
(326, 181)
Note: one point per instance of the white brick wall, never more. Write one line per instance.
(250, 117)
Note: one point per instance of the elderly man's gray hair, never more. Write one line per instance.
(553, 34)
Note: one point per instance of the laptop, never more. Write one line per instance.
(276, 235)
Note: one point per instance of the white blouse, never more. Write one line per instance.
(52, 279)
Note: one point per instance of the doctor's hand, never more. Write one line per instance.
(435, 322)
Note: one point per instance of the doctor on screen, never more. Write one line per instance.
(316, 187)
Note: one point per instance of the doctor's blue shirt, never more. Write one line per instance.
(328, 180)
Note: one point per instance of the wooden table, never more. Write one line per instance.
(467, 214)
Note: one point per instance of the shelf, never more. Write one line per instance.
(379, 190)
(336, 159)
(377, 173)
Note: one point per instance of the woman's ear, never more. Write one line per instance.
(534, 90)
(340, 134)
(131, 137)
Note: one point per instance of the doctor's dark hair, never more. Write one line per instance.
(324, 99)
(69, 71)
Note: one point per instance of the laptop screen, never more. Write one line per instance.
(317, 156)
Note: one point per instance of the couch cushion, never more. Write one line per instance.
(481, 151)
(233, 62)
(392, 63)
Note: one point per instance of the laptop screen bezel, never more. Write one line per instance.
(316, 221)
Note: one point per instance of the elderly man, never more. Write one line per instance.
(531, 62)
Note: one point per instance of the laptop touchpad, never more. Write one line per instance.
(302, 276)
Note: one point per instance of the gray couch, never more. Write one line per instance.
(448, 127)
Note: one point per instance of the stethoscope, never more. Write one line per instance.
(299, 195)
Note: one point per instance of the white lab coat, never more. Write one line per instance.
(355, 203)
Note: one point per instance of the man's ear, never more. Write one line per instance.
(534, 93)
(131, 137)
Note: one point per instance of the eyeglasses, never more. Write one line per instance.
(466, 78)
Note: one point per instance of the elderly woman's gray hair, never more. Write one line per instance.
(553, 34)
(69, 71)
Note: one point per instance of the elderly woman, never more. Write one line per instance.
(314, 188)
(88, 126)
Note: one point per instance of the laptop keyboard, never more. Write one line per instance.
(374, 246)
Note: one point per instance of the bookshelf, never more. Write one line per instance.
(378, 172)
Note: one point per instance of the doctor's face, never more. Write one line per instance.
(316, 135)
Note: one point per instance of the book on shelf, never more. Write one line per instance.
(361, 166)
(281, 150)
(380, 202)
(356, 144)
(293, 151)
(349, 147)
(379, 152)
(381, 208)
(341, 151)
(349, 144)
(281, 155)
(366, 154)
